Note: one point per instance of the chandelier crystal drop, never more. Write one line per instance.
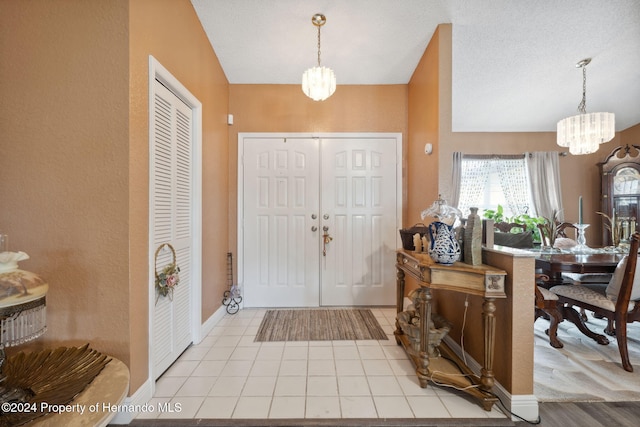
(583, 133)
(319, 82)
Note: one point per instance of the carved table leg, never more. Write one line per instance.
(487, 379)
(552, 332)
(399, 302)
(423, 299)
(574, 317)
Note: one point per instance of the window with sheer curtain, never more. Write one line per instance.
(522, 184)
(488, 182)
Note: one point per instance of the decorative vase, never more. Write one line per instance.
(9, 261)
(444, 248)
(473, 239)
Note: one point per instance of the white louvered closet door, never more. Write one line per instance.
(171, 204)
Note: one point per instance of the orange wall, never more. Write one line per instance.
(64, 109)
(74, 139)
(513, 360)
(285, 108)
(424, 127)
(630, 136)
(170, 31)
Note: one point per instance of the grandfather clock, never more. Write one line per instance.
(620, 192)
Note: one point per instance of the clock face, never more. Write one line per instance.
(626, 181)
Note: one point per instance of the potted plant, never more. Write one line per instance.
(530, 222)
(612, 226)
(550, 227)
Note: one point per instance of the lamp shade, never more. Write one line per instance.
(583, 133)
(319, 83)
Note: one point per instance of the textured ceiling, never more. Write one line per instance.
(513, 60)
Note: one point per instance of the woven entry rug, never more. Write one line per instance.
(584, 371)
(319, 325)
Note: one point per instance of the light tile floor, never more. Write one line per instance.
(228, 375)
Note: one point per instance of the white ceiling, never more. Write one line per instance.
(513, 60)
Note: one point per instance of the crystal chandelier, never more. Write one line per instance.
(584, 132)
(318, 83)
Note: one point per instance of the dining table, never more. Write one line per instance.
(554, 264)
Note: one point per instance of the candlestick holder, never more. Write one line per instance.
(581, 247)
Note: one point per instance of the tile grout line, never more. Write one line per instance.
(246, 326)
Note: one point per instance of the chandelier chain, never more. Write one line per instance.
(582, 107)
(583, 133)
(318, 45)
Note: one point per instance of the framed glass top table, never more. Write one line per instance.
(553, 264)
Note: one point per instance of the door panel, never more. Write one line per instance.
(359, 199)
(281, 181)
(351, 181)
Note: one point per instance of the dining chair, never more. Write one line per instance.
(560, 231)
(596, 281)
(619, 303)
(546, 303)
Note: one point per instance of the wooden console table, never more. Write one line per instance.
(480, 280)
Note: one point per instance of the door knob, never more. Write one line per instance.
(325, 216)
(314, 228)
(325, 228)
(314, 216)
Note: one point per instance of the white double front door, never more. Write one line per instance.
(318, 220)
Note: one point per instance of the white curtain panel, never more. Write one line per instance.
(456, 175)
(544, 176)
(513, 179)
(474, 174)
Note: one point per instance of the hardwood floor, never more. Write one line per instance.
(341, 422)
(552, 414)
(592, 414)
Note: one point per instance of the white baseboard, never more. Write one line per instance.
(211, 322)
(524, 406)
(137, 402)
